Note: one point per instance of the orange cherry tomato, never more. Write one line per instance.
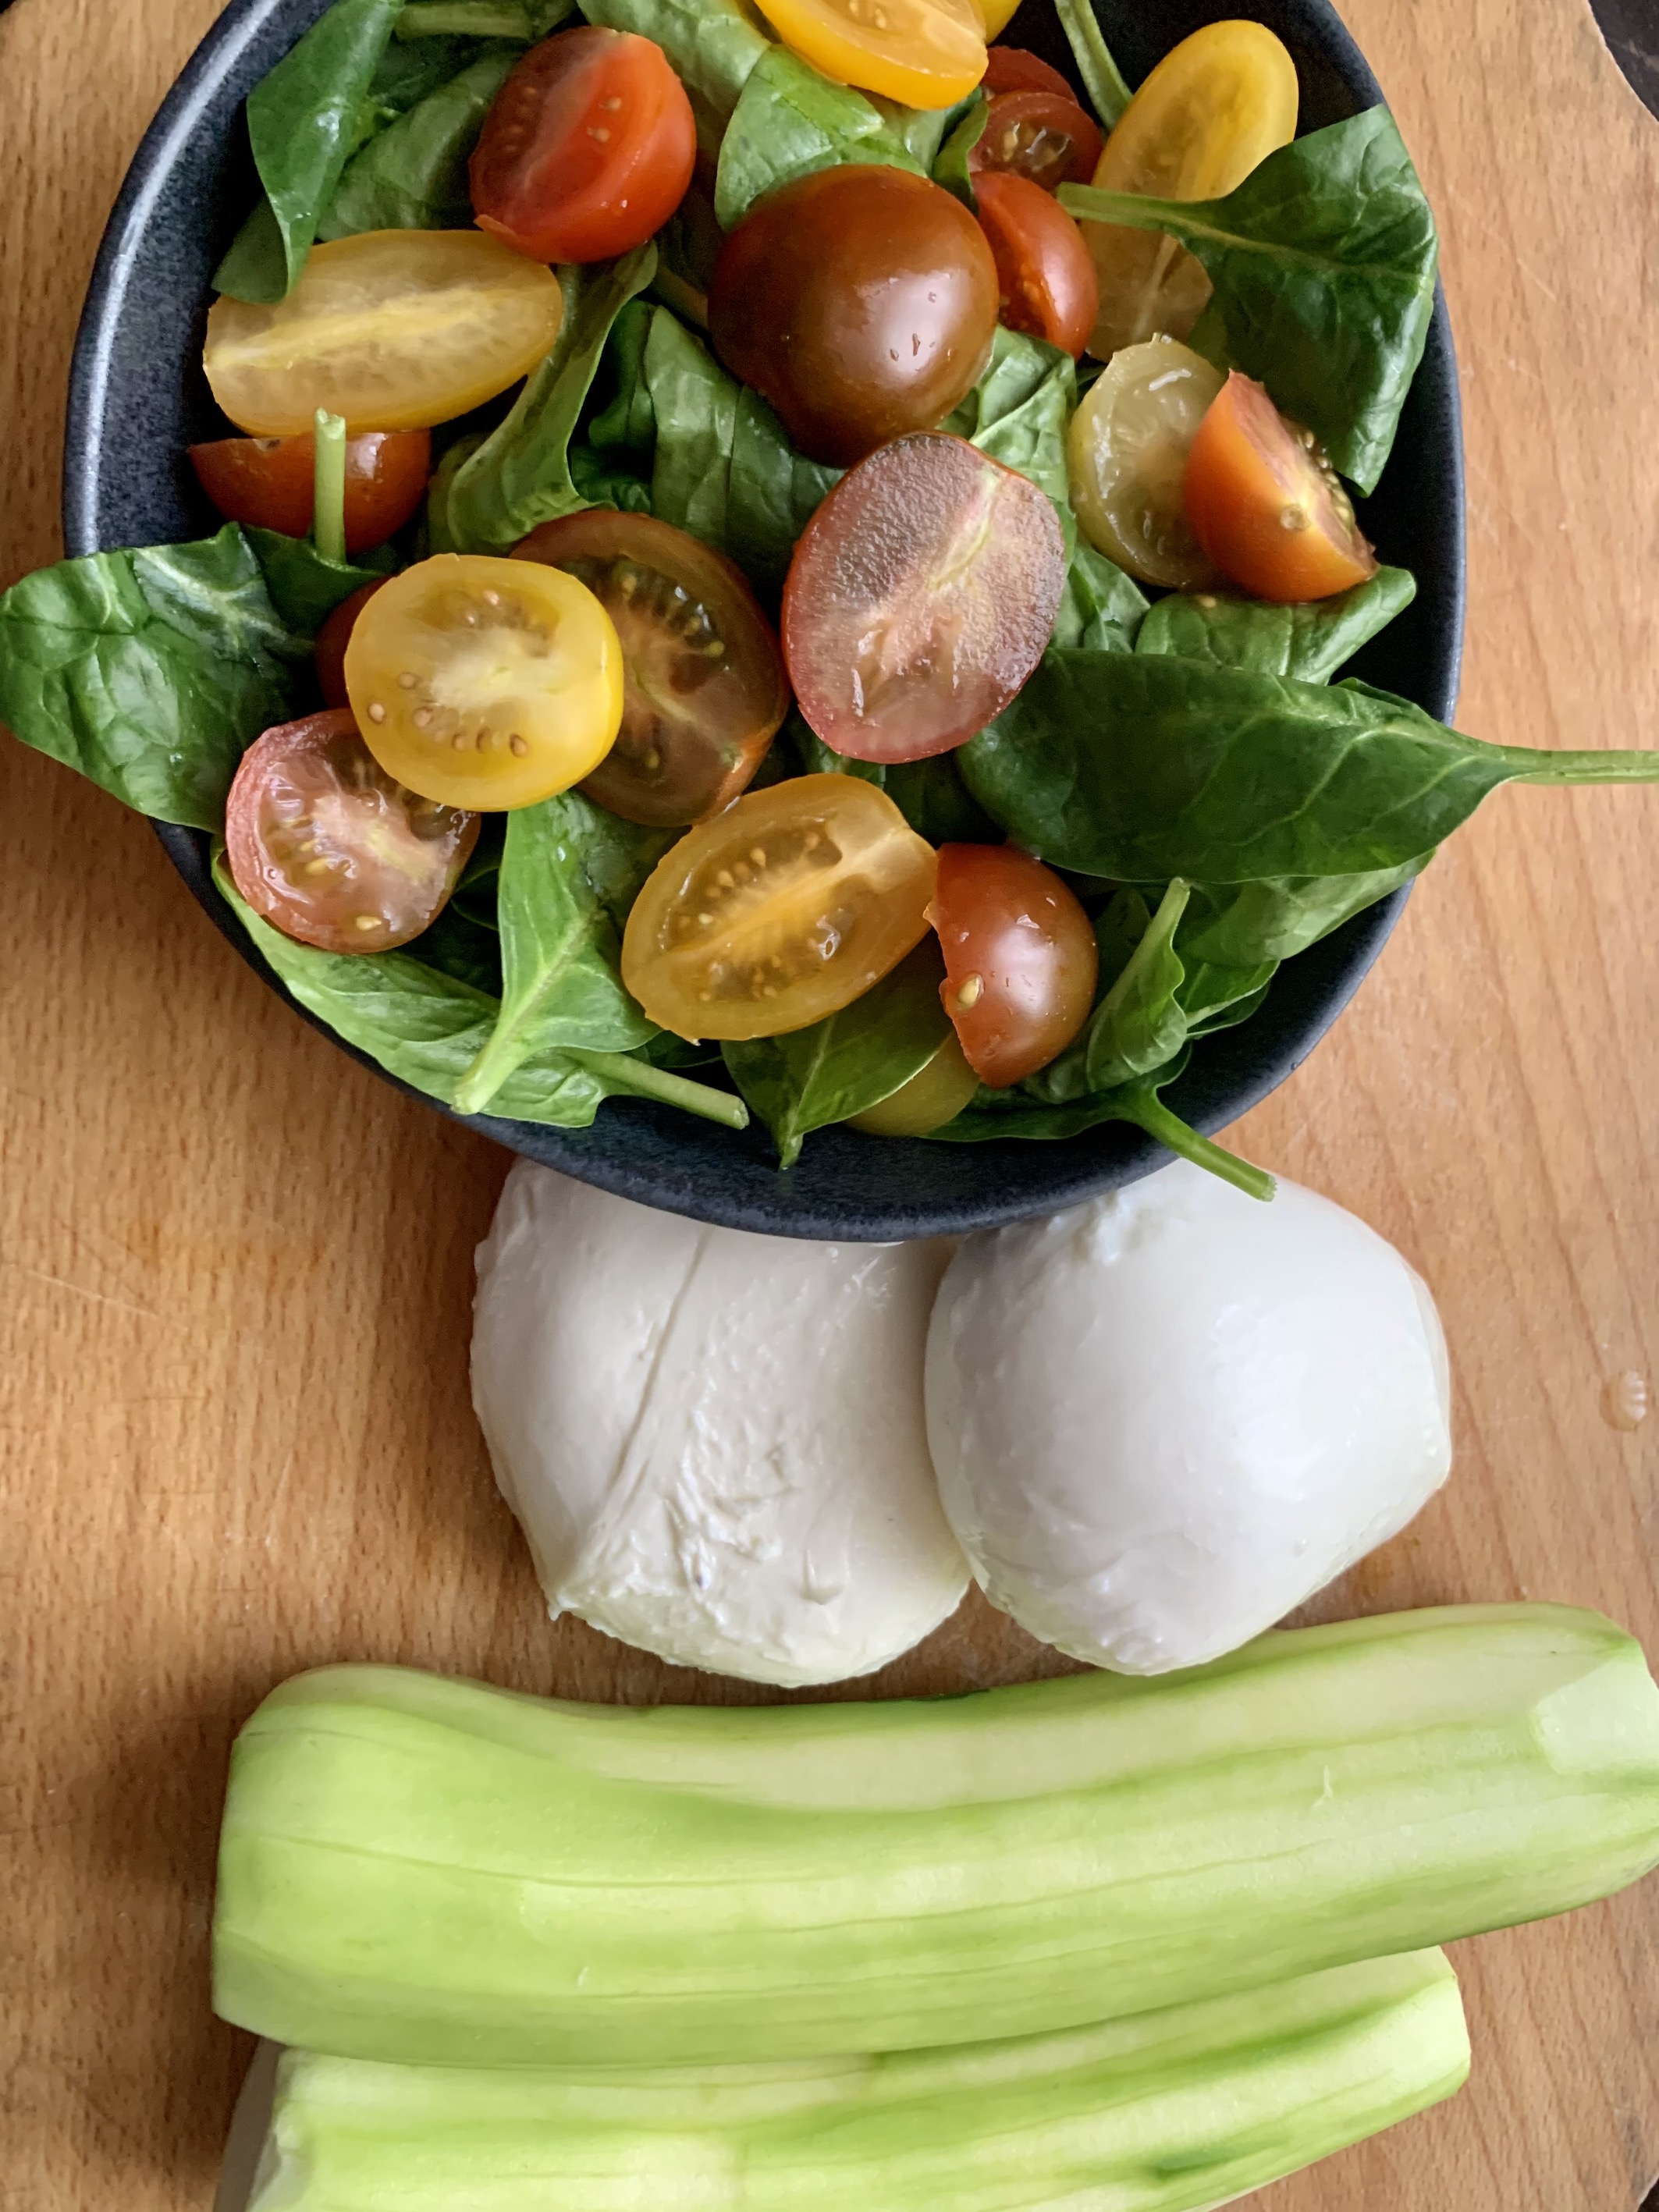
(588, 149)
(330, 649)
(1039, 135)
(1267, 505)
(1020, 959)
(329, 849)
(1045, 276)
(1011, 68)
(268, 482)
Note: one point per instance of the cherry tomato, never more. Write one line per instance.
(1020, 959)
(1127, 447)
(329, 849)
(1216, 105)
(995, 15)
(1011, 68)
(861, 302)
(395, 329)
(1044, 275)
(783, 910)
(485, 684)
(329, 650)
(936, 1094)
(926, 54)
(1039, 135)
(920, 597)
(588, 149)
(268, 482)
(1267, 505)
(703, 688)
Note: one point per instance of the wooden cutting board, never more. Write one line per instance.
(235, 1270)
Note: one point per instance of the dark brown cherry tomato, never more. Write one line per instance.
(1267, 505)
(329, 849)
(1045, 273)
(332, 638)
(1039, 135)
(267, 482)
(588, 149)
(703, 688)
(920, 597)
(861, 302)
(1011, 68)
(1020, 959)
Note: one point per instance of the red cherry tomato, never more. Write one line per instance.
(267, 482)
(1020, 959)
(1267, 505)
(332, 638)
(1041, 136)
(920, 597)
(588, 149)
(1045, 273)
(329, 849)
(1011, 68)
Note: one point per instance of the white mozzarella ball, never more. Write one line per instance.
(715, 1442)
(1164, 1419)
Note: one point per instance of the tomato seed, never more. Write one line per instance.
(376, 711)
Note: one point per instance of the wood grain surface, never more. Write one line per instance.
(235, 1270)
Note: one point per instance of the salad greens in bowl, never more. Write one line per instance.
(840, 768)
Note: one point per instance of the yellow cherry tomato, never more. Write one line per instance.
(396, 330)
(1215, 107)
(934, 1095)
(1126, 452)
(783, 910)
(927, 53)
(483, 683)
(996, 15)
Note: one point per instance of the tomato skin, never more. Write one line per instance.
(925, 53)
(920, 597)
(1011, 68)
(588, 149)
(1045, 276)
(861, 302)
(330, 649)
(1049, 138)
(703, 687)
(934, 1095)
(1265, 504)
(1020, 959)
(268, 482)
(330, 849)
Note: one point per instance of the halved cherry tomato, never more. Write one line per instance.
(1011, 68)
(485, 684)
(588, 149)
(1044, 274)
(1020, 959)
(395, 329)
(703, 688)
(921, 596)
(268, 482)
(1265, 504)
(927, 53)
(331, 851)
(1126, 449)
(1216, 105)
(1038, 135)
(783, 910)
(995, 15)
(861, 302)
(934, 1095)
(330, 649)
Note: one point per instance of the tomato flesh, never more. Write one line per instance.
(861, 302)
(703, 688)
(1011, 68)
(330, 649)
(1020, 959)
(269, 482)
(485, 684)
(1265, 504)
(1045, 278)
(920, 597)
(332, 850)
(1126, 448)
(588, 149)
(925, 53)
(1044, 136)
(783, 910)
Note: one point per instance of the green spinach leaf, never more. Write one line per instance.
(930, 794)
(1018, 413)
(1103, 608)
(714, 46)
(789, 123)
(525, 22)
(1243, 925)
(306, 586)
(1308, 641)
(950, 167)
(1103, 80)
(1323, 264)
(150, 672)
(412, 175)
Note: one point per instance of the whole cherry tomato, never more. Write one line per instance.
(268, 482)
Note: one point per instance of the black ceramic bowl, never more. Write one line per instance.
(137, 398)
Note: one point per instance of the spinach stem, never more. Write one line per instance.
(1148, 1112)
(328, 501)
(1541, 767)
(1103, 79)
(623, 1072)
(475, 18)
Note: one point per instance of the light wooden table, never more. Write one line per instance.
(235, 1271)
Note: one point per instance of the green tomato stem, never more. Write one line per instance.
(328, 507)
